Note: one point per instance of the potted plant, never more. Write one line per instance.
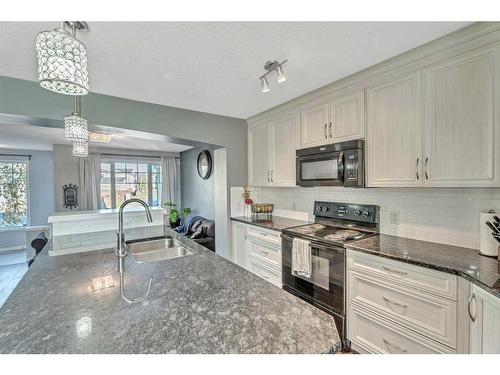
(174, 215)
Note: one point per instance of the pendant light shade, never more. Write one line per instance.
(62, 62)
(76, 128)
(81, 149)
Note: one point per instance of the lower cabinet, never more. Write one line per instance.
(258, 251)
(484, 315)
(394, 307)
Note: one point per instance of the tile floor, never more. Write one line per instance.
(13, 266)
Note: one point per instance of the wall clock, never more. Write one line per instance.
(204, 164)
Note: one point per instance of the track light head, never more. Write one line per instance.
(264, 84)
(281, 76)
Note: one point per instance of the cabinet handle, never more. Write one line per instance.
(272, 176)
(472, 297)
(268, 178)
(394, 303)
(416, 169)
(395, 271)
(263, 276)
(394, 346)
(426, 162)
(331, 133)
(264, 252)
(326, 134)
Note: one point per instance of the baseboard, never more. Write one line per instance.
(12, 248)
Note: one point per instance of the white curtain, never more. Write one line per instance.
(90, 182)
(170, 179)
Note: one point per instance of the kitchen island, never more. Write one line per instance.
(200, 303)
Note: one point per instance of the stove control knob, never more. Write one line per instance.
(366, 213)
(357, 212)
(323, 208)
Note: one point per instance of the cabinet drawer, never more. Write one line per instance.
(415, 277)
(432, 316)
(370, 333)
(270, 237)
(265, 272)
(269, 253)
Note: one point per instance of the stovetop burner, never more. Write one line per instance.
(345, 234)
(309, 229)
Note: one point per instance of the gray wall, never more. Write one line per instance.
(20, 97)
(66, 171)
(41, 191)
(196, 193)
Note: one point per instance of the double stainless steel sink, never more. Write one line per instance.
(156, 250)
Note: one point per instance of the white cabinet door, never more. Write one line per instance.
(347, 118)
(460, 131)
(284, 142)
(314, 126)
(258, 156)
(394, 133)
(484, 312)
(239, 244)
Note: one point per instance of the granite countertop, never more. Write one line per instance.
(482, 271)
(201, 303)
(276, 223)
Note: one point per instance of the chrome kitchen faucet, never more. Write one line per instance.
(121, 250)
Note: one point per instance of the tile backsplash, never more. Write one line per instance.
(449, 216)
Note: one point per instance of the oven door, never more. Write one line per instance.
(325, 287)
(322, 169)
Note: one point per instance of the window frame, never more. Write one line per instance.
(112, 175)
(21, 159)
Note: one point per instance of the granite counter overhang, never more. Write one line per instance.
(467, 263)
(201, 303)
(275, 223)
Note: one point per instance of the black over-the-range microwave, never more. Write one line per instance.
(337, 164)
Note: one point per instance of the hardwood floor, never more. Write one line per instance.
(13, 266)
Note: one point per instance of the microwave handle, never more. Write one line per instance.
(340, 164)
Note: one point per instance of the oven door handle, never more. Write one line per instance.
(316, 245)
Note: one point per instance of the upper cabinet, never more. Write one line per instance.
(258, 156)
(314, 126)
(442, 133)
(339, 120)
(460, 129)
(271, 152)
(394, 133)
(284, 142)
(347, 118)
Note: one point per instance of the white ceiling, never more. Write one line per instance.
(42, 138)
(214, 67)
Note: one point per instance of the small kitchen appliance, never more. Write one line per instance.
(337, 164)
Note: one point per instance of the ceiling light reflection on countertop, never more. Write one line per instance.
(103, 282)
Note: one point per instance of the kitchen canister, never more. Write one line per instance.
(487, 244)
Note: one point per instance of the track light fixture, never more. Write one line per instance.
(270, 67)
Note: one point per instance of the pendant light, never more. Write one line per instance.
(62, 59)
(81, 149)
(76, 126)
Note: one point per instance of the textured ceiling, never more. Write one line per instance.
(214, 67)
(41, 138)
